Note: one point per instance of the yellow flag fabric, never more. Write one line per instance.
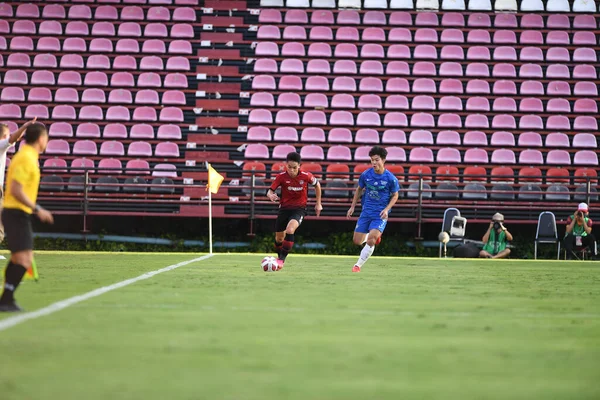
(214, 179)
(32, 272)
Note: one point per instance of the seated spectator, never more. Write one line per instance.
(579, 232)
(495, 239)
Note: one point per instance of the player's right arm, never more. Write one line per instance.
(360, 189)
(271, 192)
(18, 134)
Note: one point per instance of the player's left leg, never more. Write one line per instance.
(288, 240)
(376, 228)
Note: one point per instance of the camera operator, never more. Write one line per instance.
(495, 239)
(579, 232)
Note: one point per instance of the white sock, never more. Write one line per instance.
(365, 253)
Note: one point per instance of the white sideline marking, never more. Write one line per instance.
(61, 305)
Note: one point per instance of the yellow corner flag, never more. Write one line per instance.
(32, 272)
(214, 179)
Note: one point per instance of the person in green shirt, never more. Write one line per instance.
(579, 232)
(495, 239)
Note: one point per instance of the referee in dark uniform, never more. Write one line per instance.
(22, 182)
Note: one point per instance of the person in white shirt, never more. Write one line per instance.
(7, 140)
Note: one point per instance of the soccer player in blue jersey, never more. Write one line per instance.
(378, 188)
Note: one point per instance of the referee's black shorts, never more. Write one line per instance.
(17, 228)
(284, 216)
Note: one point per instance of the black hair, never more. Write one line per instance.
(293, 156)
(34, 132)
(378, 151)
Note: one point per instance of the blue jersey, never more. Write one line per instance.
(379, 189)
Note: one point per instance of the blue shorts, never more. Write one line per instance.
(366, 224)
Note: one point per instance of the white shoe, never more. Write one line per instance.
(2, 258)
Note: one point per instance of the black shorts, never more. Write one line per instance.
(286, 215)
(17, 228)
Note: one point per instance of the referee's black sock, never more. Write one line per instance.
(12, 277)
(288, 243)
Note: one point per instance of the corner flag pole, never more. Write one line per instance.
(210, 242)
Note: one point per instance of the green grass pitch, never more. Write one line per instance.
(224, 329)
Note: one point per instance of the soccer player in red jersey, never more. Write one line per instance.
(292, 206)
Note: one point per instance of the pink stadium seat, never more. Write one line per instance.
(400, 35)
(589, 89)
(100, 45)
(502, 139)
(422, 120)
(400, 51)
(111, 148)
(55, 165)
(558, 54)
(312, 135)
(93, 79)
(21, 43)
(479, 20)
(425, 51)
(88, 148)
(110, 166)
(259, 134)
(74, 44)
(448, 138)
(503, 156)
(584, 54)
(187, 14)
(531, 37)
(532, 21)
(37, 78)
(337, 118)
(504, 121)
(12, 94)
(530, 157)
(294, 32)
(106, 12)
(281, 151)
(420, 155)
(5, 28)
(531, 104)
(585, 140)
(50, 44)
(98, 62)
(558, 123)
(451, 86)
(450, 103)
(505, 104)
(424, 35)
(340, 135)
(477, 70)
(453, 19)
(88, 96)
(452, 36)
(362, 153)
(137, 167)
(505, 53)
(170, 114)
(312, 152)
(584, 72)
(296, 17)
(82, 163)
(370, 101)
(293, 118)
(28, 11)
(393, 136)
(505, 37)
(370, 67)
(558, 157)
(63, 112)
(586, 122)
(36, 110)
(270, 16)
(504, 87)
(423, 103)
(397, 85)
(529, 88)
(424, 68)
(559, 38)
(138, 131)
(585, 106)
(339, 153)
(45, 61)
(103, 29)
(451, 69)
(285, 134)
(531, 122)
(54, 11)
(321, 83)
(558, 21)
(314, 100)
(424, 85)
(479, 36)
(262, 99)
(347, 67)
(374, 18)
(181, 47)
(58, 147)
(478, 86)
(88, 130)
(154, 46)
(165, 170)
(585, 157)
(183, 31)
(584, 39)
(420, 137)
(557, 139)
(396, 102)
(477, 104)
(130, 29)
(553, 105)
(320, 33)
(293, 49)
(16, 77)
(370, 85)
(139, 149)
(93, 113)
(264, 82)
(476, 156)
(24, 27)
(322, 17)
(319, 50)
(120, 113)
(530, 139)
(290, 82)
(450, 121)
(152, 63)
(475, 138)
(395, 119)
(395, 154)
(39, 95)
(476, 121)
(368, 136)
(159, 14)
(146, 97)
(558, 71)
(530, 71)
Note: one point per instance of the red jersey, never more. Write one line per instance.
(294, 191)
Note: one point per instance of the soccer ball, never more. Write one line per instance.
(269, 264)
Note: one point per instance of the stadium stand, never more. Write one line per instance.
(469, 88)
